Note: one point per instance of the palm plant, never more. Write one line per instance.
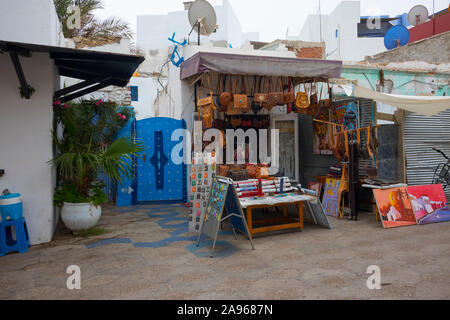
(87, 149)
(92, 30)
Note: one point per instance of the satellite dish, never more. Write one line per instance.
(202, 16)
(418, 15)
(396, 36)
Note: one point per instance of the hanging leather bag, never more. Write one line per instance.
(231, 109)
(225, 96)
(326, 103)
(257, 123)
(289, 96)
(262, 98)
(314, 101)
(236, 121)
(238, 175)
(256, 106)
(240, 100)
(223, 170)
(249, 102)
(252, 170)
(302, 101)
(246, 122)
(208, 101)
(276, 97)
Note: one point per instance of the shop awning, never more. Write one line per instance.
(97, 69)
(425, 105)
(238, 64)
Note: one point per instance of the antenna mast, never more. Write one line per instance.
(320, 22)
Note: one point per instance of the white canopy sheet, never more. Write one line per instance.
(425, 105)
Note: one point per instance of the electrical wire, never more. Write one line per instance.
(159, 76)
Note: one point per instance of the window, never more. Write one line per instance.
(134, 93)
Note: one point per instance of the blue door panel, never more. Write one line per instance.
(158, 178)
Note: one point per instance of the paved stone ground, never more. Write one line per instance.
(148, 254)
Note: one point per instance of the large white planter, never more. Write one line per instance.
(80, 216)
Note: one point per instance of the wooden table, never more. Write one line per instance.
(278, 223)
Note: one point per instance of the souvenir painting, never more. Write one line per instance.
(315, 186)
(322, 134)
(394, 207)
(330, 201)
(429, 204)
(347, 114)
(200, 177)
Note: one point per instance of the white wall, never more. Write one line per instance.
(250, 36)
(33, 21)
(153, 30)
(147, 93)
(25, 141)
(346, 46)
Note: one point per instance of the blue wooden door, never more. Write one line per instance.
(159, 179)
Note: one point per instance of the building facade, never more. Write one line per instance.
(339, 31)
(229, 28)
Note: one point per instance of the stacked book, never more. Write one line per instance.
(335, 170)
(250, 188)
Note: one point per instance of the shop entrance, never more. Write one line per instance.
(289, 148)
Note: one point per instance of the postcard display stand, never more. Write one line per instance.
(202, 172)
(223, 196)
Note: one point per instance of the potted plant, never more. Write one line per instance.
(84, 135)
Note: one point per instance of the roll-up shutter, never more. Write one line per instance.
(421, 134)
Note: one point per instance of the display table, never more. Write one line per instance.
(281, 223)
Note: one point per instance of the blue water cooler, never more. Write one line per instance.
(13, 228)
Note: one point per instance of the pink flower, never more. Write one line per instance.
(66, 106)
(124, 117)
(99, 102)
(57, 102)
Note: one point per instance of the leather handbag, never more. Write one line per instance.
(238, 175)
(266, 123)
(236, 121)
(225, 96)
(276, 97)
(252, 170)
(289, 96)
(207, 113)
(261, 98)
(223, 170)
(219, 124)
(302, 101)
(262, 173)
(255, 106)
(240, 100)
(246, 123)
(231, 110)
(208, 101)
(313, 94)
(249, 102)
(257, 123)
